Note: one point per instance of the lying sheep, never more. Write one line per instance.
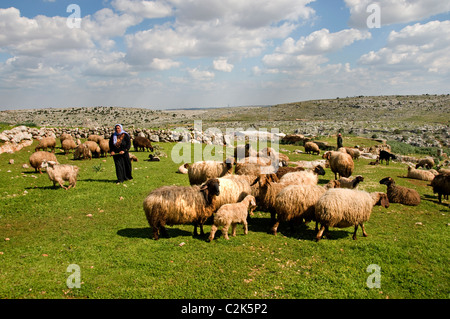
(340, 163)
(297, 202)
(419, 174)
(312, 148)
(233, 214)
(59, 173)
(309, 177)
(183, 169)
(400, 194)
(37, 158)
(441, 186)
(46, 142)
(310, 164)
(342, 207)
(175, 205)
(199, 172)
(427, 163)
(352, 183)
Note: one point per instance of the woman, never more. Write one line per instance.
(119, 144)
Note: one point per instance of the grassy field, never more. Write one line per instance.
(100, 226)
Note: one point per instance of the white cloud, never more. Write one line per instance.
(164, 64)
(418, 47)
(200, 75)
(144, 9)
(395, 11)
(222, 65)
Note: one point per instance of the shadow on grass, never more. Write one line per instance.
(146, 232)
(99, 180)
(434, 199)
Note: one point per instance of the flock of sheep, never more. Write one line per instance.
(290, 194)
(260, 180)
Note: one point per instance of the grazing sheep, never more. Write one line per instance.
(297, 202)
(427, 162)
(353, 152)
(37, 158)
(340, 163)
(59, 173)
(386, 156)
(64, 136)
(175, 205)
(309, 177)
(352, 183)
(342, 207)
(419, 174)
(288, 169)
(104, 147)
(140, 142)
(94, 148)
(67, 145)
(233, 214)
(199, 172)
(183, 169)
(46, 142)
(82, 152)
(441, 186)
(400, 194)
(95, 138)
(311, 148)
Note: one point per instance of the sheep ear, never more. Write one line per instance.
(256, 181)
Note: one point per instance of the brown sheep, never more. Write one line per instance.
(140, 142)
(340, 163)
(311, 148)
(68, 144)
(400, 194)
(37, 158)
(427, 162)
(175, 205)
(46, 142)
(441, 185)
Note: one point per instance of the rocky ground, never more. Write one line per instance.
(419, 120)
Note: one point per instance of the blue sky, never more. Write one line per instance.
(211, 53)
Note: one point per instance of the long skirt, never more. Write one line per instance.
(123, 167)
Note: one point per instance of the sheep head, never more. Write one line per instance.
(387, 181)
(46, 164)
(319, 170)
(381, 199)
(210, 189)
(326, 155)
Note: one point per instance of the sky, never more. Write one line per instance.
(170, 54)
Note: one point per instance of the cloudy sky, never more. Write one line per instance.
(211, 53)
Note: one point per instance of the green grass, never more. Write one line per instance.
(101, 227)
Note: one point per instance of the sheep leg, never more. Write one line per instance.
(274, 228)
(320, 233)
(363, 230)
(225, 231)
(354, 234)
(245, 227)
(233, 229)
(155, 233)
(212, 233)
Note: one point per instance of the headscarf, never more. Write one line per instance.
(115, 135)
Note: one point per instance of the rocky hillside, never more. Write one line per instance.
(420, 120)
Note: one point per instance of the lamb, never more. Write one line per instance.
(297, 202)
(340, 163)
(441, 186)
(140, 142)
(104, 147)
(352, 183)
(46, 142)
(342, 207)
(311, 148)
(67, 145)
(427, 162)
(37, 158)
(175, 205)
(59, 173)
(386, 156)
(183, 169)
(199, 172)
(400, 194)
(308, 177)
(233, 214)
(419, 174)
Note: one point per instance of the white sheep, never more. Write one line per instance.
(300, 178)
(349, 182)
(38, 157)
(59, 173)
(342, 207)
(199, 172)
(231, 215)
(419, 174)
(183, 169)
